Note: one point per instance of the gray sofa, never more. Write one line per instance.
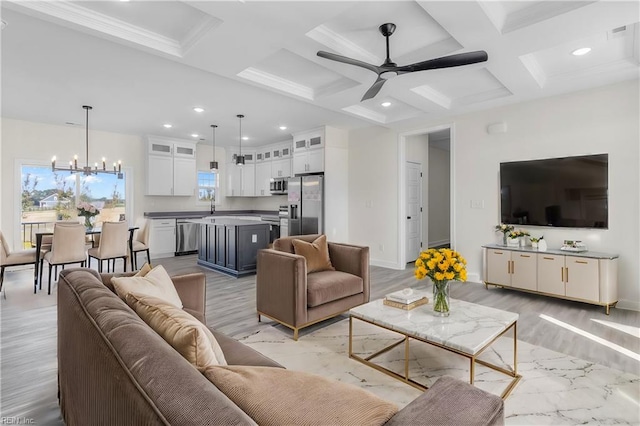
(114, 369)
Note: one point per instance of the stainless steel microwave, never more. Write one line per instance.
(278, 186)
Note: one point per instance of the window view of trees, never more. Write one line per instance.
(48, 196)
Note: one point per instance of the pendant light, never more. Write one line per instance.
(87, 170)
(240, 157)
(213, 165)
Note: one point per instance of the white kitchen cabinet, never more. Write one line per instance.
(171, 167)
(280, 168)
(575, 276)
(241, 180)
(308, 161)
(263, 178)
(162, 238)
(312, 139)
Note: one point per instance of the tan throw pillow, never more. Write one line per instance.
(300, 399)
(146, 268)
(316, 253)
(192, 339)
(156, 283)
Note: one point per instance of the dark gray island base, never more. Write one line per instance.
(231, 245)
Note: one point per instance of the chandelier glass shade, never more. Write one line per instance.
(213, 164)
(88, 170)
(240, 157)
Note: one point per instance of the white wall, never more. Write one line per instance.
(373, 193)
(438, 189)
(605, 119)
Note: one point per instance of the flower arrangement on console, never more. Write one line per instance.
(87, 211)
(441, 265)
(505, 229)
(536, 239)
(517, 233)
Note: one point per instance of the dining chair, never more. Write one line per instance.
(114, 240)
(68, 246)
(9, 258)
(140, 243)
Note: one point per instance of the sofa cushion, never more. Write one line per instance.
(327, 286)
(298, 398)
(156, 283)
(316, 253)
(181, 330)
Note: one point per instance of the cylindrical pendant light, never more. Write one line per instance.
(240, 157)
(213, 165)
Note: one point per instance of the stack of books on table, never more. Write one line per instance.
(405, 299)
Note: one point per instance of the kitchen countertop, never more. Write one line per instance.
(203, 213)
(230, 222)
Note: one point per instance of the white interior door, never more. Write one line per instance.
(414, 210)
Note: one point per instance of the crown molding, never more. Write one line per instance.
(363, 112)
(331, 39)
(278, 83)
(101, 23)
(198, 32)
(533, 66)
(433, 95)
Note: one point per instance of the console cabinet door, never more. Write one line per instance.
(524, 271)
(582, 278)
(499, 267)
(551, 274)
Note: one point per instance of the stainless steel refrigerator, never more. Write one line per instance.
(305, 196)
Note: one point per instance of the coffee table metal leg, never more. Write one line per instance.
(350, 335)
(472, 364)
(406, 357)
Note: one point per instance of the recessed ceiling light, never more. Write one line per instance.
(283, 127)
(194, 135)
(167, 126)
(245, 138)
(386, 104)
(198, 109)
(581, 51)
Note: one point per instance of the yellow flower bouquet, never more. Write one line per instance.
(441, 265)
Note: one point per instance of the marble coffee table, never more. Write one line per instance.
(467, 331)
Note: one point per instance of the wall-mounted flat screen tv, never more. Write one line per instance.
(569, 192)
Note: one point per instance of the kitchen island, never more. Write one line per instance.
(231, 245)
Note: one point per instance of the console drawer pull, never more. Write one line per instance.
(547, 258)
(582, 261)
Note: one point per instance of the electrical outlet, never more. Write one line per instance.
(368, 203)
(477, 204)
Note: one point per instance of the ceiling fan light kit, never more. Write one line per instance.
(390, 69)
(87, 170)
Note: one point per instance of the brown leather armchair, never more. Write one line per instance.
(290, 296)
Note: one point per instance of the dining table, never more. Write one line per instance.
(89, 231)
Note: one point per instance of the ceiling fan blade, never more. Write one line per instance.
(374, 89)
(445, 62)
(350, 61)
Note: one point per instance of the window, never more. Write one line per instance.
(207, 186)
(48, 196)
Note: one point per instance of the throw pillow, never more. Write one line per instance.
(192, 339)
(275, 396)
(316, 254)
(146, 268)
(155, 283)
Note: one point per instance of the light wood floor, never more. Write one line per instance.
(28, 328)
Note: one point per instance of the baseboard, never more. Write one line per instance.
(161, 255)
(632, 305)
(386, 264)
(474, 278)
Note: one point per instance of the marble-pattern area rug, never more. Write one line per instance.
(555, 389)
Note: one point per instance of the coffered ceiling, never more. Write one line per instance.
(142, 64)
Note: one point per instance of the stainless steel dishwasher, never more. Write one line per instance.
(186, 237)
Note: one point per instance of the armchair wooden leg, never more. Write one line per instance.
(259, 318)
(2, 280)
(124, 261)
(50, 267)
(148, 258)
(41, 268)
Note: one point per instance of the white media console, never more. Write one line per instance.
(588, 277)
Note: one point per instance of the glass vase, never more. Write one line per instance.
(504, 239)
(441, 302)
(88, 223)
